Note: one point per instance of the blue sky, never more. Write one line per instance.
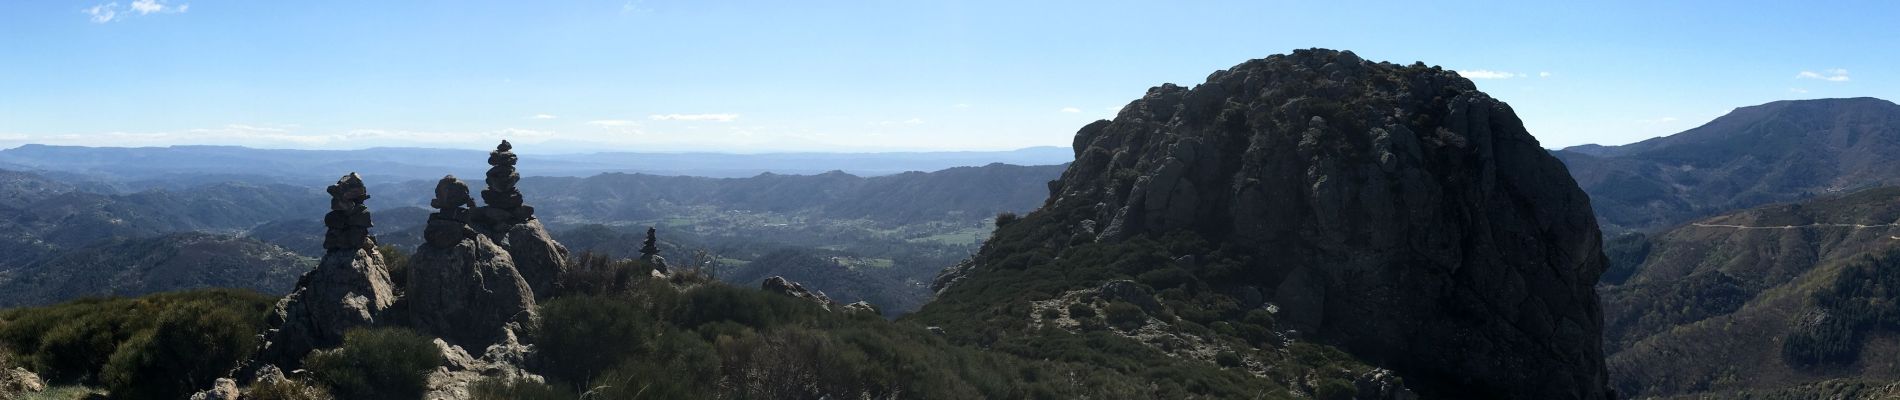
(861, 76)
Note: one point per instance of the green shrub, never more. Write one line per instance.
(189, 348)
(1335, 389)
(71, 342)
(590, 335)
(378, 363)
(680, 367)
(1166, 278)
(1005, 218)
(1227, 359)
(398, 263)
(1081, 311)
(514, 389)
(287, 390)
(1126, 316)
(599, 274)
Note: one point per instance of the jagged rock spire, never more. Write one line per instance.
(348, 222)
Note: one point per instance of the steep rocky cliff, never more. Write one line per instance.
(1394, 211)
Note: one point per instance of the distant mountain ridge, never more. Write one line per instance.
(892, 218)
(1774, 152)
(142, 167)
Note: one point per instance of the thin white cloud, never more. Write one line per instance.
(543, 116)
(613, 122)
(109, 12)
(694, 117)
(1071, 110)
(1487, 74)
(102, 13)
(960, 105)
(1544, 74)
(1831, 75)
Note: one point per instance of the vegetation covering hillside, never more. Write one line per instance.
(138, 348)
(1781, 296)
(687, 337)
(134, 267)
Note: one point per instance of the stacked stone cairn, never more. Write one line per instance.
(650, 252)
(348, 222)
(505, 206)
(509, 222)
(449, 224)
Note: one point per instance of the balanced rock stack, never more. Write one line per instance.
(448, 225)
(508, 221)
(462, 286)
(349, 288)
(348, 220)
(650, 252)
(503, 199)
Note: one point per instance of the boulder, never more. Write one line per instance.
(469, 294)
(222, 389)
(18, 382)
(862, 307)
(780, 285)
(459, 370)
(539, 258)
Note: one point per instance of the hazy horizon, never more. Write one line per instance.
(647, 76)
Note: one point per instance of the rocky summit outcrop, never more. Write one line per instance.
(463, 287)
(509, 221)
(1394, 211)
(349, 288)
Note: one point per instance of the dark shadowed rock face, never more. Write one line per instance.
(1395, 211)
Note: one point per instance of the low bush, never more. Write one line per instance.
(516, 389)
(189, 348)
(376, 363)
(72, 342)
(1125, 316)
(286, 390)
